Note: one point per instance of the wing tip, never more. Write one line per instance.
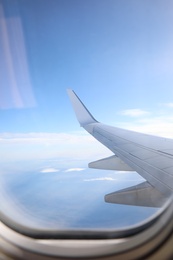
(82, 113)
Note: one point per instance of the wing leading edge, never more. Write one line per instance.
(150, 156)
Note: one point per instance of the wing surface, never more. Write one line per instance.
(110, 163)
(142, 194)
(150, 156)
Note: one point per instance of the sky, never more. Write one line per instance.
(116, 54)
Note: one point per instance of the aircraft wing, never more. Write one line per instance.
(150, 156)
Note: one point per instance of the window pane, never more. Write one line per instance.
(118, 55)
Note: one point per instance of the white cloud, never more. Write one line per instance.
(134, 112)
(158, 125)
(101, 179)
(45, 138)
(74, 170)
(66, 147)
(159, 122)
(49, 170)
(169, 105)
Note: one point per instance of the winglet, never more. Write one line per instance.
(83, 115)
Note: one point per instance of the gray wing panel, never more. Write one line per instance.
(110, 163)
(152, 164)
(140, 195)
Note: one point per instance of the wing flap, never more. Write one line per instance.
(110, 163)
(142, 194)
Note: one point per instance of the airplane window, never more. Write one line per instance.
(118, 57)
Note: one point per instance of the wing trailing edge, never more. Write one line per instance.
(142, 194)
(110, 163)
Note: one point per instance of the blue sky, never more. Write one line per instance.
(116, 55)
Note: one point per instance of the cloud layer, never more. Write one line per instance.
(169, 105)
(74, 170)
(101, 179)
(134, 112)
(158, 121)
(49, 170)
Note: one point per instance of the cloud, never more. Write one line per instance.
(169, 105)
(158, 125)
(49, 170)
(157, 122)
(134, 112)
(74, 170)
(45, 138)
(64, 147)
(101, 179)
